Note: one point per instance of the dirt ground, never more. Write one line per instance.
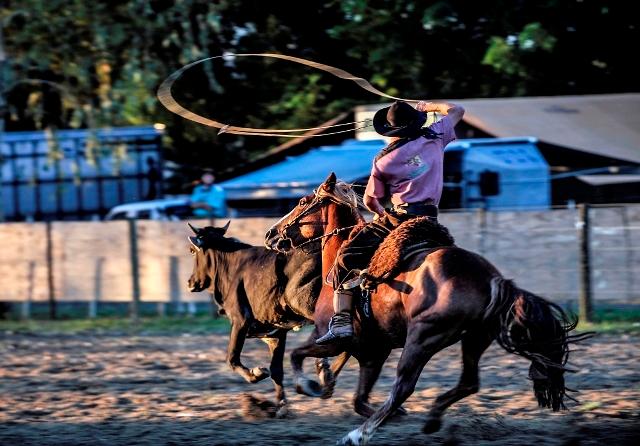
(177, 390)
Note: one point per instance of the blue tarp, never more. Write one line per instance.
(298, 175)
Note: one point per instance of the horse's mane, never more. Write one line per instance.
(343, 193)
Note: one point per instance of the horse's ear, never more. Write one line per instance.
(196, 242)
(195, 229)
(330, 182)
(225, 227)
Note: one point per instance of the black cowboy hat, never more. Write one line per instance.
(399, 119)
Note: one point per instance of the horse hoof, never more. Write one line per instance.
(258, 374)
(308, 387)
(432, 425)
(401, 411)
(364, 409)
(327, 379)
(283, 409)
(355, 437)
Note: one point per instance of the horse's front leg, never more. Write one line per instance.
(239, 329)
(305, 385)
(276, 347)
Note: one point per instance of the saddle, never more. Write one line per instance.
(409, 238)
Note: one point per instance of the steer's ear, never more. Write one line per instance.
(225, 227)
(195, 242)
(330, 182)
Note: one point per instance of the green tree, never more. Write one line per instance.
(102, 61)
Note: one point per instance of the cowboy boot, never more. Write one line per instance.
(340, 325)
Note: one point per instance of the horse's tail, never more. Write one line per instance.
(532, 327)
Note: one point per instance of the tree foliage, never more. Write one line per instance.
(103, 60)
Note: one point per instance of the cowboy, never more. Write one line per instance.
(409, 172)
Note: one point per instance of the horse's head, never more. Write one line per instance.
(313, 216)
(203, 240)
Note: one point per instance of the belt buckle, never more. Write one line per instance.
(401, 208)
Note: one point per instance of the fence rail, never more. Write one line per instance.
(148, 261)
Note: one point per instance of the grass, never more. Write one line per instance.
(606, 320)
(120, 325)
(613, 320)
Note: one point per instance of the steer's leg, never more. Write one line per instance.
(239, 329)
(276, 347)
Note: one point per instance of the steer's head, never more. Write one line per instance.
(202, 244)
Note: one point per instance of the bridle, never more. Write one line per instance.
(315, 203)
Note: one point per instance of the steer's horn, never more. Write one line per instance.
(225, 227)
(195, 230)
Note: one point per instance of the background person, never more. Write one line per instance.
(208, 199)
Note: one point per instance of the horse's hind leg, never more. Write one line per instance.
(276, 347)
(239, 329)
(420, 346)
(473, 346)
(305, 385)
(369, 372)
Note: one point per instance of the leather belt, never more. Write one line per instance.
(418, 209)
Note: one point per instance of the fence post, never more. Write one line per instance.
(25, 307)
(97, 289)
(585, 301)
(174, 284)
(134, 308)
(482, 217)
(50, 278)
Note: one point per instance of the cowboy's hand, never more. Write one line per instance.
(424, 106)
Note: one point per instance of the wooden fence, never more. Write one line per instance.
(96, 261)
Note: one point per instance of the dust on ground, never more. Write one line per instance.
(177, 390)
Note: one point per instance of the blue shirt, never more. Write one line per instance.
(214, 196)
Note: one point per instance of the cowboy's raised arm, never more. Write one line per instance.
(453, 111)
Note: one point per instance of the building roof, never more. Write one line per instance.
(605, 125)
(603, 180)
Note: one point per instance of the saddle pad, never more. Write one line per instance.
(415, 235)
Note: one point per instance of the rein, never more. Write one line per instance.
(306, 211)
(336, 231)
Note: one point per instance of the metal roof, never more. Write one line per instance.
(106, 133)
(603, 180)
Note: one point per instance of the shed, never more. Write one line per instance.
(522, 175)
(496, 173)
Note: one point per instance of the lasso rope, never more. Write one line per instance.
(166, 98)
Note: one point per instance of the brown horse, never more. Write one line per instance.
(442, 296)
